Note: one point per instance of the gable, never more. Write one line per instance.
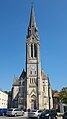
(33, 92)
(32, 39)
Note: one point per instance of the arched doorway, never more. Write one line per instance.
(33, 102)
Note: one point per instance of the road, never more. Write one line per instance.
(20, 117)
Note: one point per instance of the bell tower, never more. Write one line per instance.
(33, 66)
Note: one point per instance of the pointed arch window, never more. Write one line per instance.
(35, 50)
(31, 50)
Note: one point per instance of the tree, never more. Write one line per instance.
(63, 95)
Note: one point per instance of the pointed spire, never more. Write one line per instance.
(32, 29)
(32, 18)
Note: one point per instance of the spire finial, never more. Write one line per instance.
(32, 17)
(32, 29)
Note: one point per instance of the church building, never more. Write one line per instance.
(32, 90)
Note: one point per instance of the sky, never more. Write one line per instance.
(51, 20)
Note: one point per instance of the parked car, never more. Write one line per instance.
(34, 113)
(45, 114)
(65, 115)
(14, 112)
(48, 113)
(3, 111)
(53, 114)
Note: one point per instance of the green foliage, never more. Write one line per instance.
(63, 95)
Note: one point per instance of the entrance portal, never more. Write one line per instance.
(33, 104)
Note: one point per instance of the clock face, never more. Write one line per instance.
(32, 67)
